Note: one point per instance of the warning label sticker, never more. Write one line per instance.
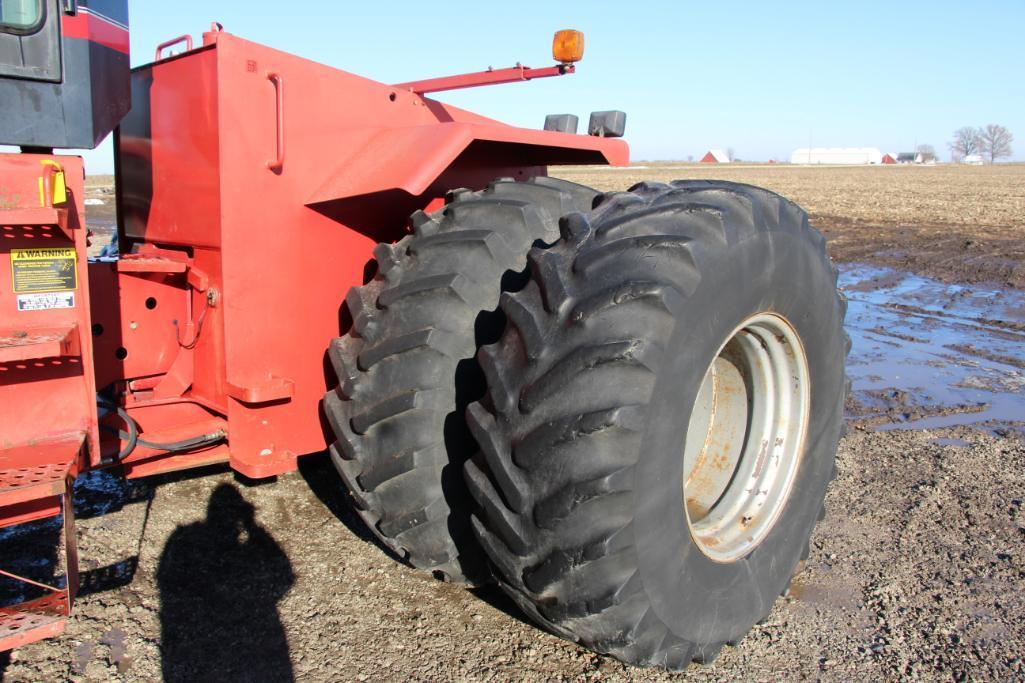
(46, 301)
(44, 270)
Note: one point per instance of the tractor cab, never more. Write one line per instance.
(64, 71)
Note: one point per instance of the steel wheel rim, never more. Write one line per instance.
(745, 437)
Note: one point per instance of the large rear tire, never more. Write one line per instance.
(406, 368)
(661, 421)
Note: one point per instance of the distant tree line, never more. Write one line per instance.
(991, 142)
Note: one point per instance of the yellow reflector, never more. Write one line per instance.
(568, 46)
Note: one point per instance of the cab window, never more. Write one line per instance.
(21, 16)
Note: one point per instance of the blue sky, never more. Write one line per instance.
(760, 77)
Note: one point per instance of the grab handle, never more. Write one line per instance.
(170, 43)
(279, 106)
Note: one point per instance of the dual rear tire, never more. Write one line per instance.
(657, 421)
(406, 366)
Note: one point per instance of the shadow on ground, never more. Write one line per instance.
(220, 581)
(320, 475)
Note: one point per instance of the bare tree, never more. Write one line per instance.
(729, 153)
(967, 141)
(996, 142)
(926, 153)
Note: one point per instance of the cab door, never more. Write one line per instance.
(30, 39)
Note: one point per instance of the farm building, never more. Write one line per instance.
(716, 156)
(889, 159)
(837, 155)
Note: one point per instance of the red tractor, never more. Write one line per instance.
(621, 407)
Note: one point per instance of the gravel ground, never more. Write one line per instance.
(915, 573)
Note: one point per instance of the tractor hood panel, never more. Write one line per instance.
(411, 158)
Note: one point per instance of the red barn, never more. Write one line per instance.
(716, 156)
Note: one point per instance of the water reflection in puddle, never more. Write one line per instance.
(927, 355)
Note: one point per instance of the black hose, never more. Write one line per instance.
(132, 440)
(131, 437)
(185, 444)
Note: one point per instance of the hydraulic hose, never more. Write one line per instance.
(132, 439)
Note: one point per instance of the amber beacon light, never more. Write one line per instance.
(568, 46)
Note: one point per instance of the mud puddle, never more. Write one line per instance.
(929, 355)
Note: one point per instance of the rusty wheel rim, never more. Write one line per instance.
(745, 437)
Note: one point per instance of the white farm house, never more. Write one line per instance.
(837, 155)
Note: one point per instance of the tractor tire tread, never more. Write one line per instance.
(561, 436)
(412, 325)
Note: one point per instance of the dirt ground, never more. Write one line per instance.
(915, 573)
(952, 223)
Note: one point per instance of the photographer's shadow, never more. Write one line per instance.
(220, 581)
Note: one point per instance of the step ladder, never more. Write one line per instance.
(35, 484)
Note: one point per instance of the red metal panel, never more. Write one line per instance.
(133, 329)
(185, 461)
(30, 511)
(169, 150)
(285, 268)
(381, 162)
(275, 177)
(47, 388)
(39, 343)
(95, 28)
(169, 183)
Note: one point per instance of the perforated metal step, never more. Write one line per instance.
(20, 484)
(35, 221)
(33, 478)
(34, 620)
